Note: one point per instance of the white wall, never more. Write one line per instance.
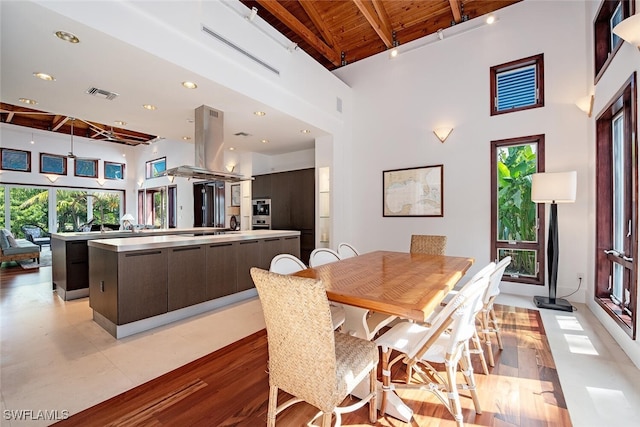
(399, 101)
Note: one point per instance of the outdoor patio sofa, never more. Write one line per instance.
(17, 249)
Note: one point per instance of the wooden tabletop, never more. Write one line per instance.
(406, 285)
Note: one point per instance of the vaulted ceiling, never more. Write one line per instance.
(340, 32)
(333, 32)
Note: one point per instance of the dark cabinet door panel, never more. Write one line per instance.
(142, 285)
(187, 280)
(248, 256)
(221, 271)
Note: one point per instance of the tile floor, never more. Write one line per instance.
(54, 358)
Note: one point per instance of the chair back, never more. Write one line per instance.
(321, 256)
(286, 264)
(345, 250)
(427, 244)
(496, 277)
(302, 358)
(458, 316)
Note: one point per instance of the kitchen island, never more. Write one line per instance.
(139, 283)
(70, 255)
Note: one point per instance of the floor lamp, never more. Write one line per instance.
(553, 188)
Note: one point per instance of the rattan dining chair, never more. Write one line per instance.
(445, 341)
(307, 358)
(289, 264)
(428, 244)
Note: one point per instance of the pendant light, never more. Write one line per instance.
(71, 155)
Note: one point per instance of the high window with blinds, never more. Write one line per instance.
(517, 85)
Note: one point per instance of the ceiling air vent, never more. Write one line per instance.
(100, 93)
(241, 134)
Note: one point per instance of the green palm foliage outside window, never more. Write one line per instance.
(516, 219)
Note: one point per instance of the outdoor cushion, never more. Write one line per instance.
(22, 246)
(4, 242)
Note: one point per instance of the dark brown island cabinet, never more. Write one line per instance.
(70, 256)
(138, 284)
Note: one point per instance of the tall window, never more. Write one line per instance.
(517, 224)
(616, 213)
(606, 43)
(157, 207)
(517, 85)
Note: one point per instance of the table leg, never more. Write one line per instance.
(394, 405)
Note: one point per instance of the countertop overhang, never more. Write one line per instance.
(109, 234)
(145, 242)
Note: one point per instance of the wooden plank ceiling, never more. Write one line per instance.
(340, 32)
(36, 119)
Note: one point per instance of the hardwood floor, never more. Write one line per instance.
(230, 388)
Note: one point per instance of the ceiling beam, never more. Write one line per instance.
(317, 20)
(57, 122)
(456, 9)
(282, 14)
(382, 28)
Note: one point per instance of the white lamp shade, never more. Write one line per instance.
(558, 187)
(127, 217)
(629, 30)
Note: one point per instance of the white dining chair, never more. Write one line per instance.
(487, 317)
(442, 342)
(345, 250)
(321, 256)
(360, 322)
(289, 264)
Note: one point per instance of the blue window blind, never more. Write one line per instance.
(516, 88)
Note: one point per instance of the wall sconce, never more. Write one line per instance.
(442, 133)
(52, 178)
(586, 104)
(629, 30)
(394, 46)
(230, 167)
(140, 183)
(171, 178)
(100, 181)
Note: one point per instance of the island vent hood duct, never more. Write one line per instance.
(209, 149)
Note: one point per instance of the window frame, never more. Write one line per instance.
(538, 61)
(538, 246)
(623, 102)
(603, 51)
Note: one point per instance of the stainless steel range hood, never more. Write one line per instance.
(209, 149)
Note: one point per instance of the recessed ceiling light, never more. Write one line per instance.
(44, 76)
(190, 120)
(149, 107)
(120, 123)
(231, 148)
(28, 101)
(264, 141)
(305, 131)
(259, 113)
(189, 85)
(186, 138)
(68, 37)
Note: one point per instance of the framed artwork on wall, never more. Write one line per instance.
(53, 164)
(113, 170)
(15, 160)
(87, 168)
(235, 195)
(413, 191)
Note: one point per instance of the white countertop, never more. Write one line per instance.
(144, 242)
(91, 235)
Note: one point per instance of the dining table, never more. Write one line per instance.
(406, 285)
